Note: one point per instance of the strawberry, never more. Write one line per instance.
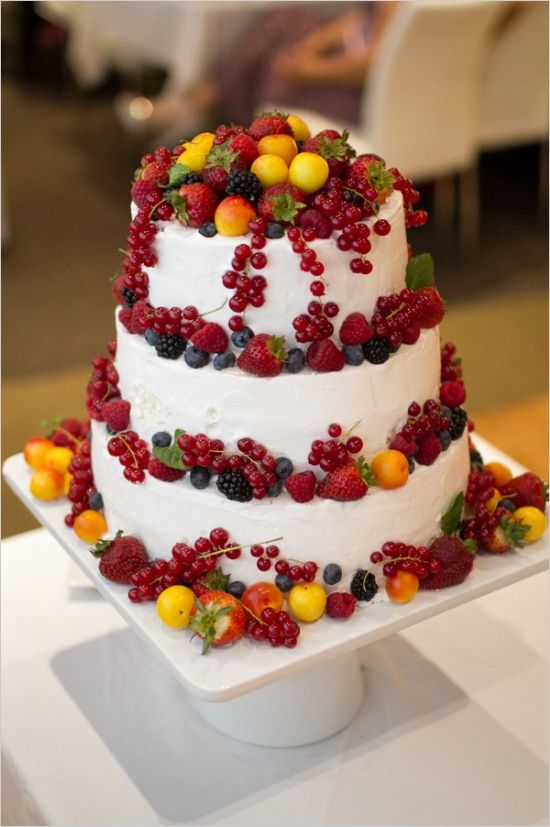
(527, 489)
(281, 202)
(507, 534)
(324, 357)
(347, 482)
(245, 147)
(333, 147)
(431, 306)
(218, 618)
(371, 169)
(301, 486)
(456, 563)
(164, 472)
(194, 204)
(211, 337)
(355, 330)
(317, 221)
(116, 414)
(264, 355)
(120, 557)
(220, 161)
(215, 580)
(269, 123)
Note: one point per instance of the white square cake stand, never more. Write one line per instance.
(283, 697)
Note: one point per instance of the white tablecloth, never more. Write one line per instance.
(96, 732)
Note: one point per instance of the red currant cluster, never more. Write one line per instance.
(276, 627)
(421, 435)
(203, 451)
(402, 557)
(264, 555)
(413, 218)
(134, 283)
(482, 526)
(256, 464)
(151, 580)
(355, 236)
(398, 316)
(451, 367)
(297, 571)
(103, 385)
(308, 258)
(155, 168)
(249, 289)
(81, 487)
(315, 325)
(133, 454)
(334, 452)
(182, 322)
(481, 486)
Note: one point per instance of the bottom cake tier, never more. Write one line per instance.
(324, 531)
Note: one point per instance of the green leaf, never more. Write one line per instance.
(365, 472)
(171, 454)
(420, 272)
(450, 520)
(470, 546)
(51, 425)
(177, 174)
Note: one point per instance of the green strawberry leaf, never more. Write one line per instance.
(450, 520)
(420, 272)
(171, 454)
(365, 472)
(179, 204)
(51, 425)
(221, 156)
(380, 177)
(285, 207)
(177, 174)
(470, 546)
(103, 545)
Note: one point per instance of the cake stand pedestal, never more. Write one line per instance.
(283, 697)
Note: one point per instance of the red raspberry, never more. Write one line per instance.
(145, 192)
(211, 337)
(216, 177)
(429, 448)
(125, 318)
(116, 414)
(340, 604)
(355, 330)
(403, 444)
(301, 487)
(431, 307)
(452, 394)
(317, 221)
(156, 171)
(164, 472)
(324, 357)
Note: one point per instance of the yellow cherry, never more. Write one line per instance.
(270, 169)
(533, 517)
(46, 484)
(308, 171)
(34, 451)
(391, 468)
(58, 458)
(299, 127)
(307, 601)
(500, 472)
(174, 606)
(282, 145)
(90, 525)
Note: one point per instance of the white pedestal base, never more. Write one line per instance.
(304, 708)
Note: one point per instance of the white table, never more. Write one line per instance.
(96, 731)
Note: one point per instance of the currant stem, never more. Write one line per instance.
(234, 548)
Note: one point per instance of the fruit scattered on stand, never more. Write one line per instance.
(402, 586)
(218, 618)
(35, 450)
(534, 519)
(261, 595)
(120, 557)
(307, 601)
(90, 525)
(47, 484)
(174, 606)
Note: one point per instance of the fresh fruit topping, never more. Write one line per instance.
(429, 448)
(264, 355)
(377, 350)
(211, 337)
(526, 489)
(347, 482)
(262, 595)
(218, 618)
(233, 214)
(333, 147)
(90, 525)
(301, 486)
(340, 604)
(283, 146)
(355, 330)
(174, 606)
(308, 171)
(120, 557)
(402, 586)
(324, 356)
(214, 580)
(58, 459)
(314, 220)
(501, 473)
(269, 123)
(452, 394)
(194, 204)
(270, 169)
(368, 175)
(196, 358)
(164, 472)
(432, 307)
(233, 485)
(281, 202)
(363, 585)
(307, 601)
(456, 561)
(332, 574)
(277, 628)
(300, 129)
(35, 450)
(46, 484)
(390, 468)
(245, 146)
(534, 519)
(116, 414)
(242, 182)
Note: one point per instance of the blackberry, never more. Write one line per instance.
(377, 350)
(274, 230)
(459, 420)
(129, 296)
(208, 229)
(237, 588)
(233, 485)
(241, 338)
(332, 574)
(162, 439)
(196, 358)
(353, 354)
(244, 183)
(296, 360)
(170, 345)
(191, 178)
(224, 360)
(200, 477)
(363, 585)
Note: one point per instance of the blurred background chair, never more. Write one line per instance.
(421, 100)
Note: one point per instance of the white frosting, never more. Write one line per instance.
(286, 412)
(190, 269)
(326, 531)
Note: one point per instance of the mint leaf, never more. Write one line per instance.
(420, 272)
(177, 174)
(450, 520)
(171, 454)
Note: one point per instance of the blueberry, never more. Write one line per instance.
(284, 468)
(275, 489)
(353, 354)
(446, 412)
(284, 582)
(96, 501)
(208, 229)
(195, 357)
(274, 230)
(506, 504)
(162, 439)
(332, 574)
(200, 477)
(412, 464)
(151, 337)
(236, 588)
(224, 360)
(241, 338)
(445, 438)
(296, 360)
